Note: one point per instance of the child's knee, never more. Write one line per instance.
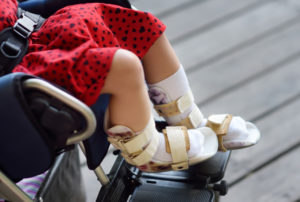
(126, 70)
(127, 62)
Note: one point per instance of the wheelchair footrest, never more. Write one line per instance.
(175, 193)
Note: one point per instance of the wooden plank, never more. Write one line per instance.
(259, 95)
(256, 98)
(163, 8)
(158, 7)
(229, 72)
(278, 182)
(203, 15)
(225, 37)
(295, 4)
(279, 133)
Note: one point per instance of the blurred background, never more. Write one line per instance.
(241, 57)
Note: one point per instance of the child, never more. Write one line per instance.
(97, 48)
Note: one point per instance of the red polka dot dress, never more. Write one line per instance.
(75, 46)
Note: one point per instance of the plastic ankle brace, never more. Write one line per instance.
(133, 145)
(139, 149)
(180, 105)
(219, 124)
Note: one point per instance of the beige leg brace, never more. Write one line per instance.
(139, 149)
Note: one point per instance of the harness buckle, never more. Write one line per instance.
(24, 26)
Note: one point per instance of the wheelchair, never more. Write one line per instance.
(123, 183)
(41, 125)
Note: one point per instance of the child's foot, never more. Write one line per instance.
(174, 100)
(241, 134)
(174, 149)
(233, 132)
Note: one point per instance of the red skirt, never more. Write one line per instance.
(75, 46)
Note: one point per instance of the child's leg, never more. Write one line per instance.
(129, 103)
(132, 128)
(160, 62)
(167, 83)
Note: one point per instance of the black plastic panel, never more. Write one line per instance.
(154, 193)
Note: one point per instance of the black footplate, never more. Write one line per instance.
(170, 192)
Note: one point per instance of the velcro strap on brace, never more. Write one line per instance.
(219, 124)
(186, 138)
(177, 143)
(135, 144)
(193, 120)
(147, 154)
(176, 107)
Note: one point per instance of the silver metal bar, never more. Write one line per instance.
(99, 172)
(10, 191)
(69, 100)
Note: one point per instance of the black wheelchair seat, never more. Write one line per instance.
(21, 144)
(29, 141)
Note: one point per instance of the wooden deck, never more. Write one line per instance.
(243, 57)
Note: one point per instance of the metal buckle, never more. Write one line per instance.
(24, 26)
(180, 166)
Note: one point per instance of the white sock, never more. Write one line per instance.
(171, 89)
(240, 133)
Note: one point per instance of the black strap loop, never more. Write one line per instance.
(12, 50)
(9, 49)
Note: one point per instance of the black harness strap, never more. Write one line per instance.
(14, 40)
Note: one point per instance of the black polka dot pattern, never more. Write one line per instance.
(75, 46)
(8, 11)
